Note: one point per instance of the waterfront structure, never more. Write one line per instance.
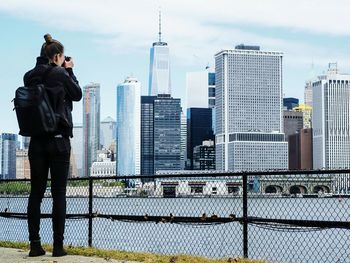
(204, 156)
(91, 125)
(105, 164)
(22, 164)
(331, 122)
(249, 120)
(128, 127)
(159, 68)
(200, 89)
(8, 146)
(199, 129)
(293, 122)
(108, 133)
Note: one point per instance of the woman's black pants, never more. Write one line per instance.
(48, 154)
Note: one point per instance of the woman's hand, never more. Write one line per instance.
(69, 64)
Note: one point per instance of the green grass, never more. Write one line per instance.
(132, 256)
(18, 188)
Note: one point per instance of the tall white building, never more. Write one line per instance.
(128, 127)
(200, 89)
(78, 148)
(91, 125)
(331, 124)
(183, 141)
(249, 120)
(308, 93)
(159, 68)
(108, 133)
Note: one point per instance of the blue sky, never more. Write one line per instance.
(110, 40)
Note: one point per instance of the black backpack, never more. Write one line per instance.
(34, 112)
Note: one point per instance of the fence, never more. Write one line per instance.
(279, 216)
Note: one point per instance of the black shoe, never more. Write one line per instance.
(58, 251)
(36, 249)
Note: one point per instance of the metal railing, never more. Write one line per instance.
(283, 216)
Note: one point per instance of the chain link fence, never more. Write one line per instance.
(279, 216)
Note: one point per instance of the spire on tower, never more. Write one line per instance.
(160, 26)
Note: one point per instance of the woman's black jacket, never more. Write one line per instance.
(62, 88)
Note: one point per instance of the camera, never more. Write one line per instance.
(66, 58)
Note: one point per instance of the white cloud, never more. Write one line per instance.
(192, 27)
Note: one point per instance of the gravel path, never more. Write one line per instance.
(12, 255)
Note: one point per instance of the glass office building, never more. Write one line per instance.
(147, 131)
(199, 129)
(200, 89)
(167, 133)
(108, 133)
(8, 145)
(91, 125)
(161, 144)
(290, 103)
(128, 127)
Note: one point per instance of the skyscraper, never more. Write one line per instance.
(167, 133)
(183, 140)
(292, 122)
(204, 156)
(159, 68)
(147, 132)
(200, 89)
(249, 120)
(22, 164)
(8, 145)
(108, 133)
(290, 103)
(307, 114)
(331, 121)
(91, 125)
(128, 127)
(78, 148)
(25, 142)
(199, 129)
(308, 93)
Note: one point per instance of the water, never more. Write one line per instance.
(225, 240)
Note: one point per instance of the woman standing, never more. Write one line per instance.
(51, 151)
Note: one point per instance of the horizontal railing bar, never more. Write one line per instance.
(302, 223)
(204, 174)
(189, 219)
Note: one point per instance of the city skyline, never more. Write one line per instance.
(115, 49)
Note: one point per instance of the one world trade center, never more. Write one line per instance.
(159, 73)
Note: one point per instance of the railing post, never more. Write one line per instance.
(90, 211)
(245, 215)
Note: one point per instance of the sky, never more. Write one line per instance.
(111, 39)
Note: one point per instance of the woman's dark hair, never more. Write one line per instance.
(51, 47)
